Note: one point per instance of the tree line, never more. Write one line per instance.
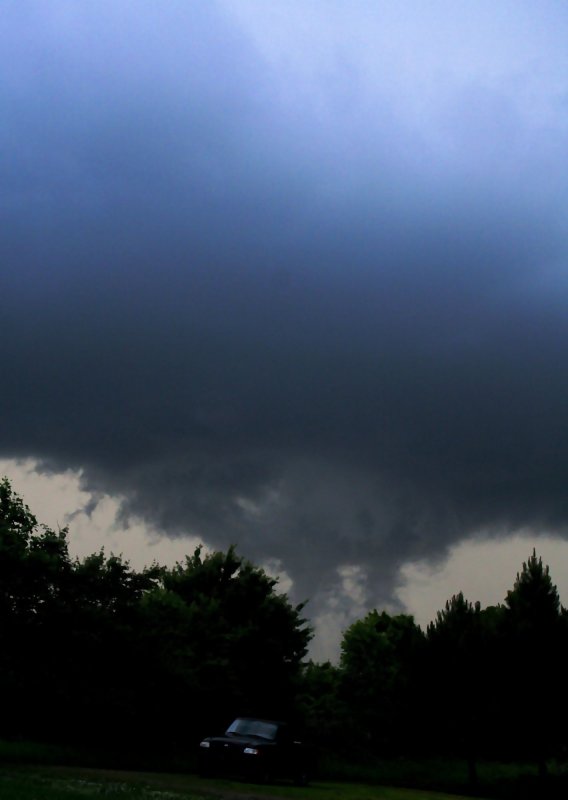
(477, 684)
(93, 651)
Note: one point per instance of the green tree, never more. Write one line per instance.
(535, 633)
(321, 708)
(533, 602)
(33, 562)
(92, 649)
(240, 644)
(379, 661)
(96, 660)
(32, 558)
(456, 673)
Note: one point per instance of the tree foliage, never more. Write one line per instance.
(379, 656)
(480, 683)
(535, 633)
(231, 643)
(92, 649)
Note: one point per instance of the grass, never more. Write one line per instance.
(74, 783)
(34, 772)
(503, 780)
(38, 787)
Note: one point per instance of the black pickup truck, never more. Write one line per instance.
(258, 749)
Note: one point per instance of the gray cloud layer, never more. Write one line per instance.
(275, 297)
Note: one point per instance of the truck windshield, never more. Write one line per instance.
(253, 727)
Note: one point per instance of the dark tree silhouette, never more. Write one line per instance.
(456, 670)
(93, 650)
(380, 657)
(229, 641)
(534, 630)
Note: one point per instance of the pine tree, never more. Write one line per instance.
(454, 662)
(536, 638)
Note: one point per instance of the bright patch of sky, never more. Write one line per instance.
(59, 501)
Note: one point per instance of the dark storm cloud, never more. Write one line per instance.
(293, 316)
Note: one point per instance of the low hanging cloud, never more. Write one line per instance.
(275, 286)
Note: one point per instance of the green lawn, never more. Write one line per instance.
(74, 783)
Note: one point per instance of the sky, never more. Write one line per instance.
(293, 276)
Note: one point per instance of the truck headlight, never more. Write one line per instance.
(250, 751)
(204, 744)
